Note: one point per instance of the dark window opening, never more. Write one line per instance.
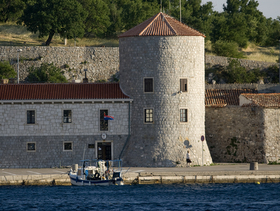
(91, 146)
(31, 117)
(148, 115)
(183, 115)
(104, 151)
(103, 123)
(148, 85)
(68, 146)
(31, 146)
(183, 85)
(67, 116)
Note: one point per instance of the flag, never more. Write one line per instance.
(106, 117)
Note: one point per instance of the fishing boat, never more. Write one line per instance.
(97, 172)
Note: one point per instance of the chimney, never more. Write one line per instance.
(4, 81)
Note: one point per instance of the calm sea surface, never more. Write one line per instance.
(142, 197)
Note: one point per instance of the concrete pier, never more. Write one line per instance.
(220, 173)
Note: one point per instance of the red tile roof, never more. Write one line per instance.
(161, 25)
(222, 98)
(266, 100)
(61, 91)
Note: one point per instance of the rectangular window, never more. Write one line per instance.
(183, 85)
(148, 115)
(183, 115)
(67, 146)
(148, 84)
(67, 116)
(31, 147)
(31, 117)
(91, 146)
(103, 123)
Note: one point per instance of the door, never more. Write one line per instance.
(104, 150)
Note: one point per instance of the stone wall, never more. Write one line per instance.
(102, 63)
(236, 134)
(249, 64)
(272, 134)
(49, 150)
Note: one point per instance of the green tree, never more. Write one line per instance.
(11, 10)
(98, 19)
(227, 49)
(6, 70)
(235, 73)
(46, 73)
(137, 11)
(195, 15)
(65, 17)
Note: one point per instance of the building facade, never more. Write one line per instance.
(52, 125)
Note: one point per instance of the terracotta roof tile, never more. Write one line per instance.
(61, 91)
(161, 25)
(221, 98)
(266, 100)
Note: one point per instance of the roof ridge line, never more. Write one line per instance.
(170, 25)
(149, 24)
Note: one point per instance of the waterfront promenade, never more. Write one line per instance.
(220, 173)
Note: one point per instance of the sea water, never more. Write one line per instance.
(142, 197)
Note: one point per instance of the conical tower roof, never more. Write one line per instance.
(161, 25)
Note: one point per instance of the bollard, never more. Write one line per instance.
(254, 166)
(75, 167)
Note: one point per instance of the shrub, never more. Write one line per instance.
(227, 49)
(46, 73)
(6, 70)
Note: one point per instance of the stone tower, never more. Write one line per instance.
(162, 70)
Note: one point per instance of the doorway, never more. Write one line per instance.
(104, 150)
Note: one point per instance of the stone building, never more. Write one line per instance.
(162, 70)
(242, 125)
(52, 125)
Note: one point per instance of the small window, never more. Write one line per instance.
(91, 146)
(31, 117)
(183, 115)
(67, 146)
(31, 147)
(67, 116)
(183, 85)
(148, 85)
(103, 123)
(148, 115)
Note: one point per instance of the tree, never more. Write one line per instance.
(11, 10)
(65, 17)
(227, 49)
(195, 15)
(46, 73)
(97, 20)
(6, 70)
(137, 11)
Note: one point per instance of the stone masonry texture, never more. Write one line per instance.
(164, 142)
(102, 63)
(49, 133)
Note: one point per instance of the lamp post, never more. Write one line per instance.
(19, 50)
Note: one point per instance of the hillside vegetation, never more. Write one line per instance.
(12, 34)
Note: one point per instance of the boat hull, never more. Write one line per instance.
(80, 182)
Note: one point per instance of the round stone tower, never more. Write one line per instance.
(162, 70)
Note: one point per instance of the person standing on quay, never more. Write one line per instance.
(188, 159)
